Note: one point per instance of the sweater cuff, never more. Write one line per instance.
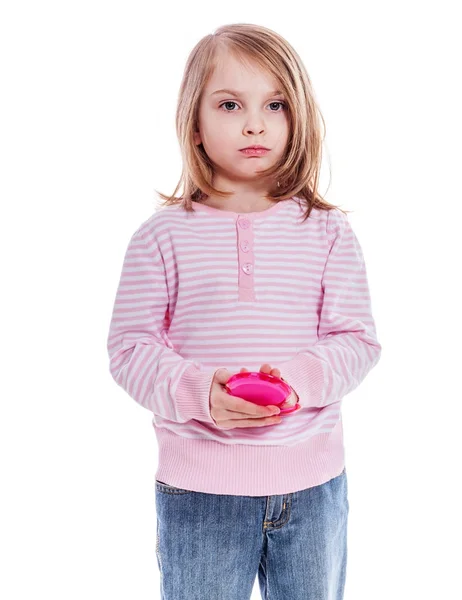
(305, 375)
(193, 395)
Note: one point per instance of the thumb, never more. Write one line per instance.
(222, 375)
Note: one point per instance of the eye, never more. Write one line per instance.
(271, 103)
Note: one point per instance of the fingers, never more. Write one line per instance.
(250, 409)
(231, 424)
(266, 368)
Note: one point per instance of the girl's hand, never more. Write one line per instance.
(266, 368)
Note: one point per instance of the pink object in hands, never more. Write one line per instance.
(261, 388)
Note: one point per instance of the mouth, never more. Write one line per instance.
(254, 151)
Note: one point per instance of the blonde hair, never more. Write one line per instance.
(297, 173)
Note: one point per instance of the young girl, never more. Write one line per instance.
(249, 270)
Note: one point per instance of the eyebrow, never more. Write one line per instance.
(236, 93)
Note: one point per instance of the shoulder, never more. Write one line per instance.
(332, 218)
(336, 222)
(335, 217)
(159, 222)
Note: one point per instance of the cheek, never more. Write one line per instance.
(283, 138)
(218, 126)
(218, 135)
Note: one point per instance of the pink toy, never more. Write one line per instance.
(261, 388)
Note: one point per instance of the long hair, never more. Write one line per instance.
(297, 173)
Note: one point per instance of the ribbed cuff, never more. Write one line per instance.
(193, 395)
(305, 374)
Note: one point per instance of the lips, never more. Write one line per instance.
(254, 151)
(254, 146)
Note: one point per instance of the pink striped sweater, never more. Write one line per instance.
(216, 288)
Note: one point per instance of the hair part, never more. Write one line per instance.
(298, 171)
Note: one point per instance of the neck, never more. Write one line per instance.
(239, 204)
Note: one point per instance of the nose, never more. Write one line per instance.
(255, 131)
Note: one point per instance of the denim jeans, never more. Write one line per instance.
(213, 546)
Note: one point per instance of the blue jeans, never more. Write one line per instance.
(213, 546)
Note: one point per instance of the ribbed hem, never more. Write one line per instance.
(215, 468)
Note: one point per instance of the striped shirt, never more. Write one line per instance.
(215, 288)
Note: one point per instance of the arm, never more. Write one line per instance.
(347, 348)
(142, 359)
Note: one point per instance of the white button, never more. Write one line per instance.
(247, 268)
(245, 246)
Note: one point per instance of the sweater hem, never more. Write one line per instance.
(211, 467)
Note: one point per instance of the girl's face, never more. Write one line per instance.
(228, 121)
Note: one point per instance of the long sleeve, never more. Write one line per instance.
(347, 348)
(142, 359)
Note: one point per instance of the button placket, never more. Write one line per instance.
(246, 259)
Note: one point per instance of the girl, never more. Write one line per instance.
(250, 269)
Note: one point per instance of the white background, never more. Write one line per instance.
(87, 134)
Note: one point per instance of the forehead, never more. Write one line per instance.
(243, 75)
